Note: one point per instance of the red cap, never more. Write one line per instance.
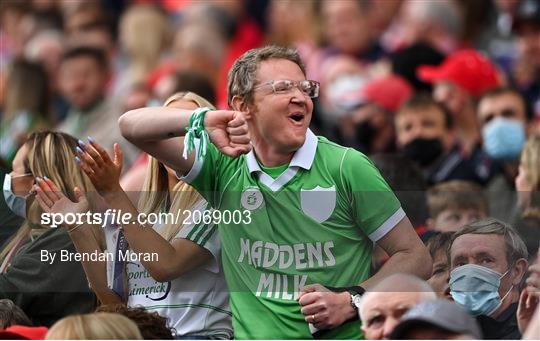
(388, 92)
(467, 68)
(23, 333)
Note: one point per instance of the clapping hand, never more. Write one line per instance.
(52, 200)
(103, 172)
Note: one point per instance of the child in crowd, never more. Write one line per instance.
(453, 204)
(440, 275)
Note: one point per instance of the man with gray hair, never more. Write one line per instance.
(382, 307)
(487, 261)
(306, 211)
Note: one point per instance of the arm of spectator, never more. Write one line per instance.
(52, 200)
(407, 255)
(175, 258)
(160, 132)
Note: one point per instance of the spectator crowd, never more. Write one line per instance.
(383, 155)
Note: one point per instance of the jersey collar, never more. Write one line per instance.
(303, 157)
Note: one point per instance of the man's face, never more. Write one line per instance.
(529, 45)
(279, 120)
(440, 275)
(506, 105)
(382, 311)
(82, 82)
(427, 123)
(347, 27)
(487, 250)
(451, 95)
(451, 220)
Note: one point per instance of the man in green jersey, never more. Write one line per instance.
(308, 210)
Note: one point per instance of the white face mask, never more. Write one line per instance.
(16, 204)
(345, 93)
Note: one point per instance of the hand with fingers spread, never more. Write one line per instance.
(104, 172)
(52, 200)
(228, 131)
(323, 308)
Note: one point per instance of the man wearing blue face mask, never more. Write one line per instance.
(503, 116)
(9, 221)
(488, 260)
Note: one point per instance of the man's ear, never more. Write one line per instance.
(239, 104)
(519, 271)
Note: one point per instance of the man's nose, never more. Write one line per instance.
(389, 326)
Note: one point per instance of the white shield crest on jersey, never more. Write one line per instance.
(318, 203)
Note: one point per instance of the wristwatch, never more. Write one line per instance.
(356, 295)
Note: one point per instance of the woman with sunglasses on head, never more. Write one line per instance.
(184, 281)
(45, 288)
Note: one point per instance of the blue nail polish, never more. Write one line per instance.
(77, 159)
(81, 143)
(37, 178)
(79, 150)
(90, 139)
(45, 177)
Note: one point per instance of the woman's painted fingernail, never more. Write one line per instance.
(90, 139)
(79, 150)
(45, 177)
(81, 143)
(77, 159)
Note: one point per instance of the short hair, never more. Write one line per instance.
(151, 325)
(94, 326)
(515, 247)
(455, 194)
(98, 55)
(504, 90)
(243, 73)
(423, 101)
(11, 315)
(439, 242)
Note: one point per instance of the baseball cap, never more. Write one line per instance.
(440, 313)
(23, 333)
(389, 92)
(467, 68)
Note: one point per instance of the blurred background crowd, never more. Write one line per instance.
(443, 95)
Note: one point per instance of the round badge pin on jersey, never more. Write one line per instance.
(252, 198)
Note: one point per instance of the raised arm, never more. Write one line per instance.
(174, 258)
(160, 132)
(52, 200)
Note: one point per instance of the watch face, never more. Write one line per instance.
(356, 300)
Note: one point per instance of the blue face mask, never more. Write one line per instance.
(504, 138)
(16, 204)
(476, 288)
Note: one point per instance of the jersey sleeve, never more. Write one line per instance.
(204, 235)
(202, 175)
(374, 206)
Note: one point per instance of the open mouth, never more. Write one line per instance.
(297, 117)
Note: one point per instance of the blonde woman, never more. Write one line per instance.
(181, 278)
(528, 179)
(96, 326)
(42, 286)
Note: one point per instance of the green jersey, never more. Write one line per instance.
(314, 223)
